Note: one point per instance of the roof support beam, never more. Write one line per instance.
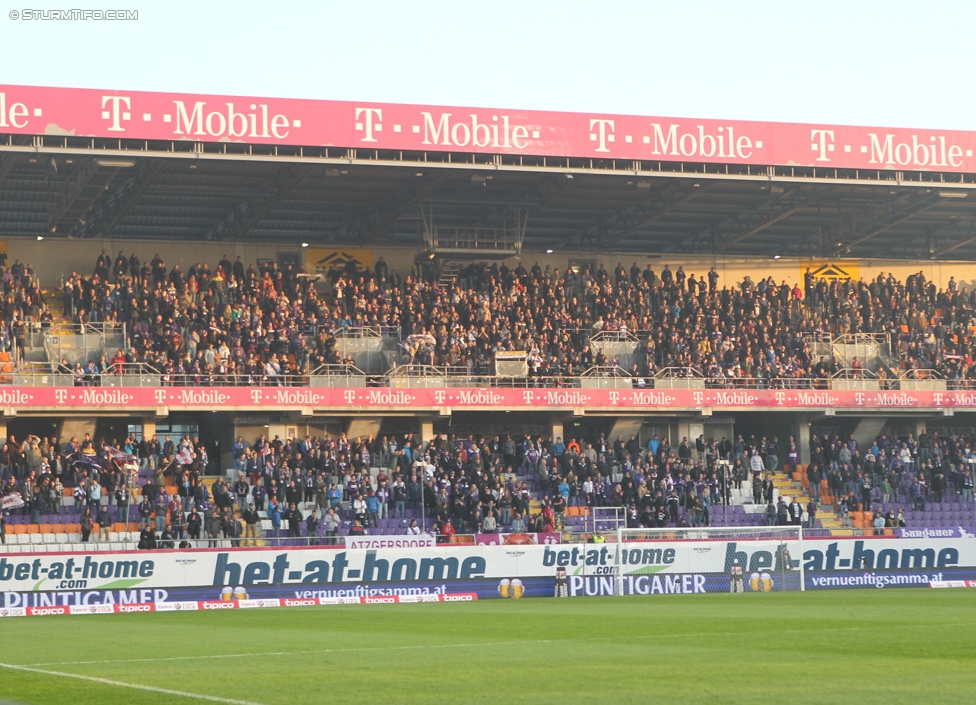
(246, 215)
(6, 164)
(884, 216)
(375, 220)
(619, 226)
(737, 227)
(79, 193)
(966, 229)
(115, 207)
(773, 219)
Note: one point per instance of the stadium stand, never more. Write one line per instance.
(523, 484)
(251, 324)
(259, 325)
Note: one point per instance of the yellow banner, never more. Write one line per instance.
(320, 260)
(841, 269)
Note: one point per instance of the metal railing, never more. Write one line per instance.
(679, 373)
(609, 377)
(961, 385)
(613, 336)
(368, 332)
(51, 374)
(42, 374)
(337, 376)
(922, 379)
(48, 374)
(850, 373)
(475, 239)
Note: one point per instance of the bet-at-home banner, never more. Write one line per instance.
(646, 567)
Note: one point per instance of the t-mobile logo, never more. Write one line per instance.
(115, 108)
(822, 141)
(602, 134)
(370, 123)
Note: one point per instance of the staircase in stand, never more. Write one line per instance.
(54, 300)
(449, 271)
(799, 487)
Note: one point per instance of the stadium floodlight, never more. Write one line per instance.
(304, 244)
(549, 252)
(40, 237)
(116, 163)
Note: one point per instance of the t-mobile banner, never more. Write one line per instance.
(381, 399)
(320, 566)
(137, 115)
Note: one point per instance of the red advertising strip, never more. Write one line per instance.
(952, 583)
(300, 602)
(536, 399)
(47, 611)
(137, 115)
(193, 606)
(217, 604)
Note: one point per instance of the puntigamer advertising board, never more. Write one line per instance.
(645, 567)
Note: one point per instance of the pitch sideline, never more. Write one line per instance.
(414, 647)
(123, 684)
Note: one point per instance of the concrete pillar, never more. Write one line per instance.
(148, 426)
(363, 426)
(557, 430)
(801, 430)
(426, 431)
(3, 430)
(921, 427)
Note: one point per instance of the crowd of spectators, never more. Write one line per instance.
(249, 323)
(274, 322)
(893, 473)
(481, 485)
(316, 487)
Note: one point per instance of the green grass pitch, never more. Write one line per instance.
(858, 646)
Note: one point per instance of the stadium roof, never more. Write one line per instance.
(56, 182)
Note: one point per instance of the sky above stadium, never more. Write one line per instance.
(896, 63)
